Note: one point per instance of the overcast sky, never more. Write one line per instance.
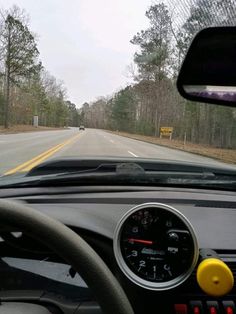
(85, 43)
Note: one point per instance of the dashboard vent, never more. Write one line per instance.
(127, 200)
(216, 204)
(100, 200)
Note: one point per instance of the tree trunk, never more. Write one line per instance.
(7, 100)
(6, 111)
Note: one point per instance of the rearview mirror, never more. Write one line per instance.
(208, 73)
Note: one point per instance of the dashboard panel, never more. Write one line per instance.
(209, 215)
(100, 212)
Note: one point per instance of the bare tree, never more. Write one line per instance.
(19, 53)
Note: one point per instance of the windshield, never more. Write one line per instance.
(98, 78)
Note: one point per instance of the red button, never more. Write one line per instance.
(213, 310)
(196, 310)
(229, 310)
(229, 307)
(196, 307)
(181, 309)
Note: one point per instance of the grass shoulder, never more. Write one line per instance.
(26, 128)
(226, 155)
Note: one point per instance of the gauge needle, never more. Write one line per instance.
(140, 241)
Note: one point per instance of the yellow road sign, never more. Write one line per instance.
(166, 130)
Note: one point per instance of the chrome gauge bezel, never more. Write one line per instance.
(158, 286)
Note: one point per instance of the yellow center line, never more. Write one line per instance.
(26, 166)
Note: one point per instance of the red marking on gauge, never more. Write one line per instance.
(141, 241)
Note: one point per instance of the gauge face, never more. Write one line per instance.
(155, 246)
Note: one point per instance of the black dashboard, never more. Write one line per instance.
(95, 215)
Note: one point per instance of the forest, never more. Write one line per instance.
(27, 89)
(152, 101)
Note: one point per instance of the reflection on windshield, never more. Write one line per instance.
(46, 269)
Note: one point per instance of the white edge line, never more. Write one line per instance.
(132, 154)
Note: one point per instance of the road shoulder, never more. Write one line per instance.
(27, 128)
(225, 155)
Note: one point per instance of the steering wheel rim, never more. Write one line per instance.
(73, 249)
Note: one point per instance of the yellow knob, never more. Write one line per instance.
(214, 277)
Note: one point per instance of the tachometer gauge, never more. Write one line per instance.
(155, 246)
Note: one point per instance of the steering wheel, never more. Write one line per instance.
(73, 249)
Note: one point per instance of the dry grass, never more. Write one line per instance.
(226, 155)
(25, 128)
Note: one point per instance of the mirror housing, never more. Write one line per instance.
(208, 72)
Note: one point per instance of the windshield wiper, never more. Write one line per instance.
(131, 174)
(118, 168)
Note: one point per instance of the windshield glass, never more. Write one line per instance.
(98, 78)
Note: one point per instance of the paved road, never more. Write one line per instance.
(20, 152)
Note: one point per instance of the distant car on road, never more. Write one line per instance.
(82, 128)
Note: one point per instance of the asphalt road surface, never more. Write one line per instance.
(21, 152)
